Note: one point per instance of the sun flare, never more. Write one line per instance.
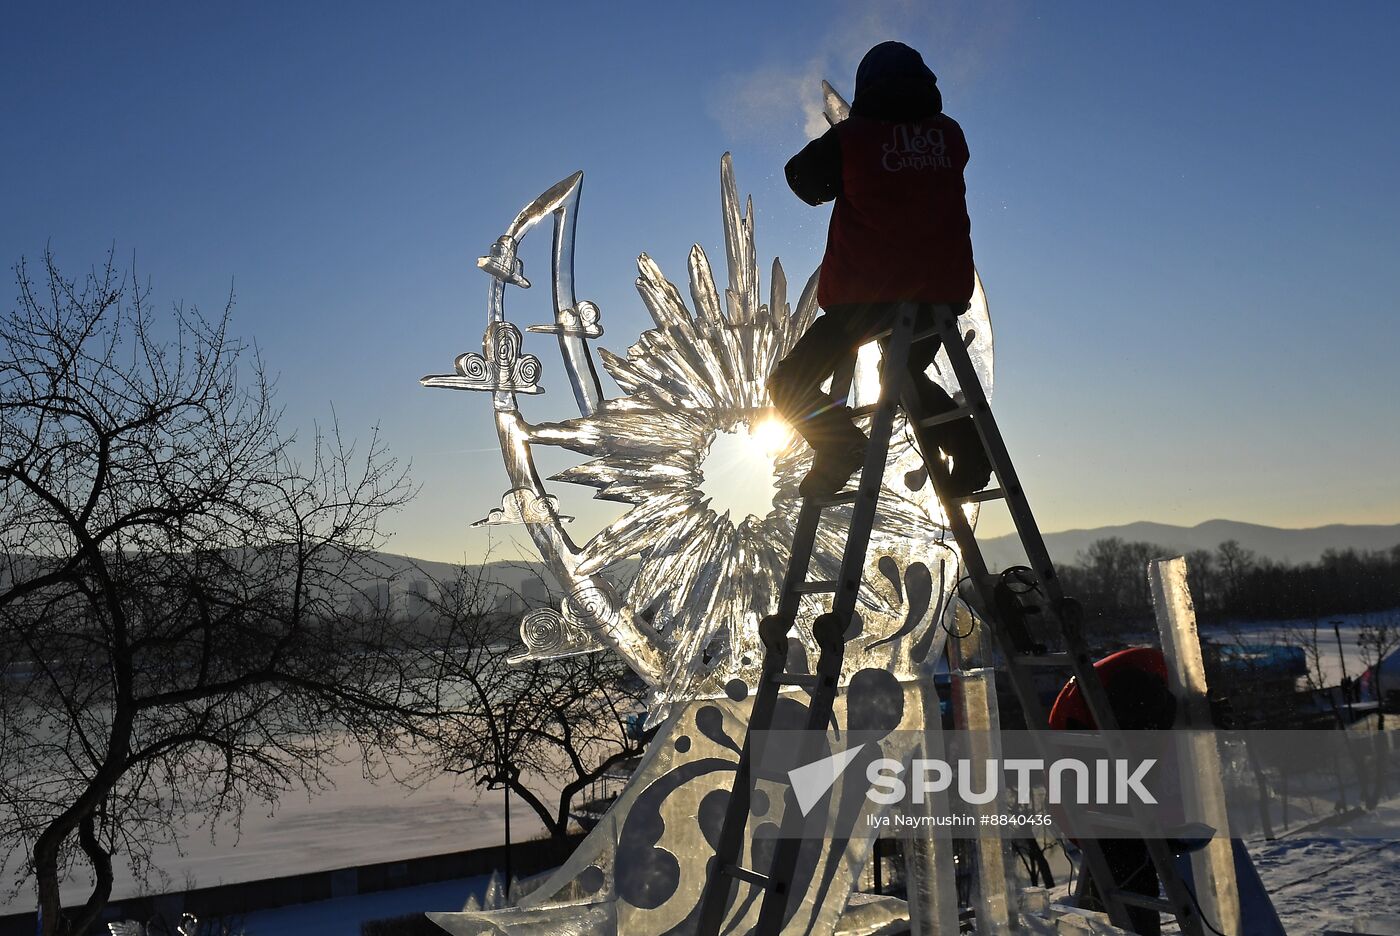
(739, 475)
(770, 435)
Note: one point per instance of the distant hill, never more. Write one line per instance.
(513, 574)
(1290, 546)
(406, 575)
(1277, 543)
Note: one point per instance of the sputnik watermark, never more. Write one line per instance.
(1114, 781)
(1101, 781)
(1125, 784)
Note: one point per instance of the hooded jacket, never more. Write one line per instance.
(899, 228)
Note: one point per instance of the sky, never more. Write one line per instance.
(1184, 215)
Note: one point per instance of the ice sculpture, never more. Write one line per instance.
(687, 622)
(695, 376)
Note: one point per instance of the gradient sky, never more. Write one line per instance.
(1185, 214)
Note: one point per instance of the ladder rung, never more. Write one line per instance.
(806, 680)
(819, 587)
(931, 332)
(1044, 659)
(988, 494)
(750, 876)
(845, 497)
(952, 415)
(1134, 899)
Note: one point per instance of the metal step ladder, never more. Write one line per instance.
(1021, 655)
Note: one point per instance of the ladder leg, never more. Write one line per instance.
(719, 885)
(1060, 612)
(830, 629)
(971, 386)
(724, 868)
(873, 472)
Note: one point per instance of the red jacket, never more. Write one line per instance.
(899, 229)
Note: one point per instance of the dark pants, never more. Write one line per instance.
(1132, 868)
(795, 384)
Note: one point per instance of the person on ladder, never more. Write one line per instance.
(1140, 697)
(899, 233)
(1136, 682)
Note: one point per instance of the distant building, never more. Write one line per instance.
(417, 599)
(376, 597)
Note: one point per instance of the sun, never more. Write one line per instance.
(739, 470)
(770, 435)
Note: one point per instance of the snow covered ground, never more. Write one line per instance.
(1316, 883)
(356, 823)
(1321, 884)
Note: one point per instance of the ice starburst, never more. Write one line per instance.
(705, 577)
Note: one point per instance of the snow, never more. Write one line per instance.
(1326, 883)
(358, 822)
(1321, 883)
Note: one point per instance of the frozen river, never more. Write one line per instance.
(358, 822)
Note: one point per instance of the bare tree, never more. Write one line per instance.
(1236, 563)
(1203, 580)
(1378, 639)
(173, 620)
(520, 725)
(1107, 577)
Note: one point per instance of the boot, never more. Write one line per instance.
(959, 440)
(840, 451)
(971, 467)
